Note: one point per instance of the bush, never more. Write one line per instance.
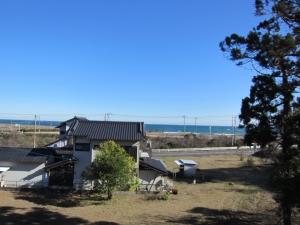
(242, 155)
(250, 161)
(165, 197)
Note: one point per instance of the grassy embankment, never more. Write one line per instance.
(13, 137)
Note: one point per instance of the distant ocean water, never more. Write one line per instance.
(29, 122)
(194, 129)
(199, 129)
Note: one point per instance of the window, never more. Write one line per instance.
(82, 147)
(62, 132)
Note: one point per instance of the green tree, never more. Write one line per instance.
(112, 169)
(271, 111)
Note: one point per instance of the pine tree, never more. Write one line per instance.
(271, 112)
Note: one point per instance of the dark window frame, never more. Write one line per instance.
(85, 147)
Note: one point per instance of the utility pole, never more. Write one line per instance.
(39, 124)
(195, 125)
(234, 128)
(232, 131)
(184, 124)
(34, 131)
(108, 114)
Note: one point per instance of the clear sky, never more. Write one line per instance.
(153, 61)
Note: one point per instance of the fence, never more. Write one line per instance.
(23, 184)
(201, 149)
(40, 184)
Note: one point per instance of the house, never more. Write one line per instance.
(24, 166)
(61, 163)
(84, 137)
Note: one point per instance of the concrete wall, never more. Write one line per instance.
(147, 178)
(21, 173)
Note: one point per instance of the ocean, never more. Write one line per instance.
(199, 129)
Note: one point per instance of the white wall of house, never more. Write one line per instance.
(85, 158)
(22, 173)
(150, 179)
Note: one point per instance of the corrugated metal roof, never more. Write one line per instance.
(38, 155)
(154, 164)
(109, 130)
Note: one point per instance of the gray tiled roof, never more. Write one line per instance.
(75, 118)
(60, 163)
(109, 130)
(38, 155)
(63, 152)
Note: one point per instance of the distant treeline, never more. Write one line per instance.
(191, 141)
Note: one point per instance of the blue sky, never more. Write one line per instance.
(152, 61)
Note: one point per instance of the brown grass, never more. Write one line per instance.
(232, 193)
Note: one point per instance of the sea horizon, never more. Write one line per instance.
(166, 128)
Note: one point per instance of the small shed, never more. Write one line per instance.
(151, 171)
(188, 167)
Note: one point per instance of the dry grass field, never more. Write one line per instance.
(232, 193)
(25, 127)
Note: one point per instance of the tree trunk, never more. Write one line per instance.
(286, 143)
(286, 214)
(109, 194)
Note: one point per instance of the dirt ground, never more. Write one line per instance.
(232, 192)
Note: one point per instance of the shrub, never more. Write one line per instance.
(250, 161)
(242, 155)
(165, 197)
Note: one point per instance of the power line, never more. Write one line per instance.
(188, 119)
